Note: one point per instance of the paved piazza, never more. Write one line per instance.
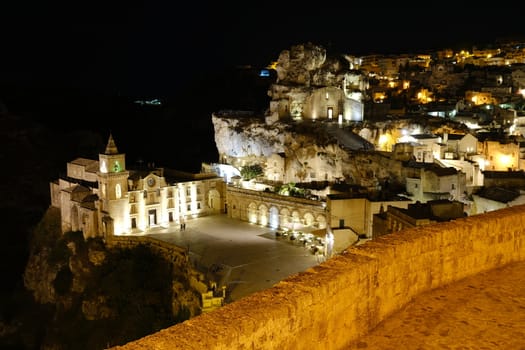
(244, 257)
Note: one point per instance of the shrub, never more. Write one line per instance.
(249, 172)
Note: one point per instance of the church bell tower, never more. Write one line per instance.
(113, 190)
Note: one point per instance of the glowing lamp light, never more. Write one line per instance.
(505, 160)
(118, 228)
(383, 141)
(274, 222)
(263, 220)
(253, 217)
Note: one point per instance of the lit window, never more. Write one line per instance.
(116, 167)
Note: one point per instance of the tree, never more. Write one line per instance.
(249, 172)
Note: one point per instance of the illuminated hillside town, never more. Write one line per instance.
(352, 146)
(347, 151)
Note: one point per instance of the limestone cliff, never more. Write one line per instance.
(309, 65)
(306, 151)
(247, 136)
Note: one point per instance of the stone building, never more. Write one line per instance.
(103, 197)
(501, 154)
(276, 211)
(416, 214)
(426, 182)
(357, 213)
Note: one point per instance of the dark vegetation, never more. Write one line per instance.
(135, 284)
(32, 155)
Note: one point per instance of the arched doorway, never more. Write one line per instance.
(285, 218)
(274, 217)
(308, 219)
(263, 215)
(321, 221)
(252, 213)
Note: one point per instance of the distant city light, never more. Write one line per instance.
(152, 102)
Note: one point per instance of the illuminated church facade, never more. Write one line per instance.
(102, 197)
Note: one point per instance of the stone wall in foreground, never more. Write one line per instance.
(330, 305)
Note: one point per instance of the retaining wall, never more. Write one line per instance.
(333, 304)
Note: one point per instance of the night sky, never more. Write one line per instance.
(58, 58)
(154, 47)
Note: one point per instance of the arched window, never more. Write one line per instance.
(118, 191)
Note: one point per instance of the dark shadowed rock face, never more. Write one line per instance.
(79, 294)
(31, 155)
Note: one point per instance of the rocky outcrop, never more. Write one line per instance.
(306, 149)
(89, 284)
(39, 276)
(309, 65)
(248, 137)
(295, 65)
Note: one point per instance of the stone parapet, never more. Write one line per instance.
(333, 304)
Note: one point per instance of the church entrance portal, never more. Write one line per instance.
(152, 217)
